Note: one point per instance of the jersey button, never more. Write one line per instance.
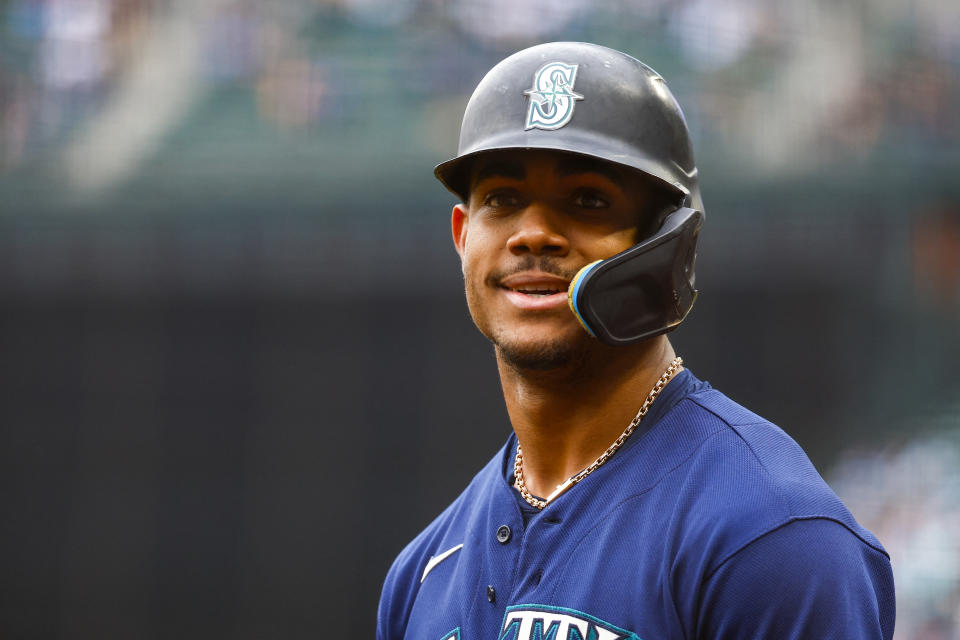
(491, 594)
(503, 534)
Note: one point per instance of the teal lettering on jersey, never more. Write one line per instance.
(541, 622)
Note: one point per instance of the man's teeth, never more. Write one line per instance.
(539, 292)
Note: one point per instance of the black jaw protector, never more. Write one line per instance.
(644, 291)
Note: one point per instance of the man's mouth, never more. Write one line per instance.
(535, 289)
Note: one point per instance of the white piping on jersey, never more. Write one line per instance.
(435, 560)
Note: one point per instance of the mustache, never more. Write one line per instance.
(546, 264)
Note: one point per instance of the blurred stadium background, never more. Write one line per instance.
(236, 371)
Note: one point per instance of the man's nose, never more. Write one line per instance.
(538, 233)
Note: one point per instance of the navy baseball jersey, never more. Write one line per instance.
(711, 523)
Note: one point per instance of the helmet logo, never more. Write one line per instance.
(552, 97)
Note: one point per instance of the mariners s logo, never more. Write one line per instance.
(552, 97)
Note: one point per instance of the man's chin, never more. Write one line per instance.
(539, 357)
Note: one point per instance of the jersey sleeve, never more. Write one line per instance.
(396, 599)
(807, 579)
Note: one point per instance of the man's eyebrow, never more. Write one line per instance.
(574, 165)
(499, 169)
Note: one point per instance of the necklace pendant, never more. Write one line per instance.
(563, 486)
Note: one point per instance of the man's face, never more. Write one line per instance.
(534, 219)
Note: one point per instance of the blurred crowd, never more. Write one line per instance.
(781, 86)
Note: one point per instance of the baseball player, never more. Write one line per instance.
(632, 500)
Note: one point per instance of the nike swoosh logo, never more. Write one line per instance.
(435, 560)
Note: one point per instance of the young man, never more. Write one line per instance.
(632, 500)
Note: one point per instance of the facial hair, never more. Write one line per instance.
(544, 357)
(552, 354)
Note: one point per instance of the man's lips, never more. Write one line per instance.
(535, 290)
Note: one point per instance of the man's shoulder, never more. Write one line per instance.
(771, 545)
(747, 476)
(749, 449)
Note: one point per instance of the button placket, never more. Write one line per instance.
(539, 537)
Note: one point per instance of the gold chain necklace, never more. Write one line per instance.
(580, 475)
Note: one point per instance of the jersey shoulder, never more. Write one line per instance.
(754, 476)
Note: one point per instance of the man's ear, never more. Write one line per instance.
(458, 225)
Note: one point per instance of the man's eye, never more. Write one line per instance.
(501, 199)
(590, 200)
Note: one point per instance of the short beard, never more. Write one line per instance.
(547, 357)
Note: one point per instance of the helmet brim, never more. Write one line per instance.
(455, 173)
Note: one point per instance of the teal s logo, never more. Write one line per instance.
(552, 97)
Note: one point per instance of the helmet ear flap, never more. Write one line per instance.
(644, 291)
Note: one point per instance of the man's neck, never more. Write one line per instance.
(565, 419)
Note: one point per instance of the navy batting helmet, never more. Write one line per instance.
(581, 98)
